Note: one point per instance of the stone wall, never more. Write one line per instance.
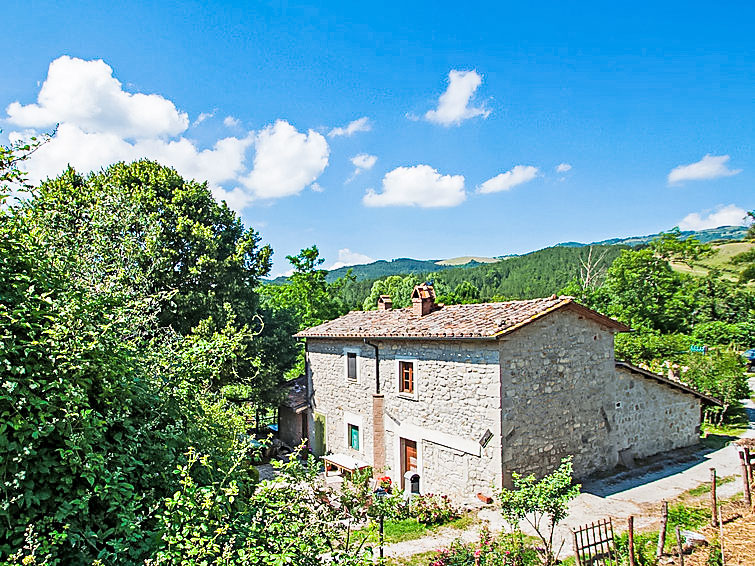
(457, 385)
(549, 390)
(563, 395)
(651, 417)
(557, 375)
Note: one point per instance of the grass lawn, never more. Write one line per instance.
(421, 559)
(411, 529)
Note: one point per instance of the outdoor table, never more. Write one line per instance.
(343, 462)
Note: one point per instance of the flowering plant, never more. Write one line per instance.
(431, 509)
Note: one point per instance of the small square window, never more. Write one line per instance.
(351, 366)
(354, 437)
(406, 377)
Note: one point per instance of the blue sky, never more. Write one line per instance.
(461, 115)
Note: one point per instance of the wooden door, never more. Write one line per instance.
(408, 457)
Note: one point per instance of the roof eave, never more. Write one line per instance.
(669, 382)
(390, 337)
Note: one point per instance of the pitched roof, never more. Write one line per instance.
(666, 381)
(296, 399)
(476, 321)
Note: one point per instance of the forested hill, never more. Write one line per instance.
(383, 268)
(703, 236)
(536, 274)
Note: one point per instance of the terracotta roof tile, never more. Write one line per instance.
(483, 321)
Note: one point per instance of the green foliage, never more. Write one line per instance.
(645, 546)
(687, 517)
(720, 333)
(430, 509)
(11, 158)
(399, 288)
(141, 224)
(542, 503)
(464, 293)
(90, 421)
(721, 374)
(643, 291)
(647, 346)
(292, 519)
(505, 550)
(670, 246)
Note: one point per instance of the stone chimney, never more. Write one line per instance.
(423, 299)
(384, 303)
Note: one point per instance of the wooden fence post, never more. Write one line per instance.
(576, 548)
(745, 478)
(679, 546)
(662, 532)
(713, 503)
(630, 524)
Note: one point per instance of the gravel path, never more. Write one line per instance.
(638, 492)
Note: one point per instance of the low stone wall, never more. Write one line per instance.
(652, 417)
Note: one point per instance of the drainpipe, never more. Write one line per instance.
(377, 366)
(378, 419)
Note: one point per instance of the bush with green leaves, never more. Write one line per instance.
(431, 509)
(541, 503)
(487, 551)
(722, 374)
(292, 519)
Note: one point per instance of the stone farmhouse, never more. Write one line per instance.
(464, 395)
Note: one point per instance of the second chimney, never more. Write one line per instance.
(384, 303)
(423, 299)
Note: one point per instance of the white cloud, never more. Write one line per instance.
(729, 215)
(231, 122)
(709, 167)
(453, 105)
(316, 187)
(347, 257)
(421, 186)
(563, 168)
(91, 151)
(360, 125)
(286, 161)
(101, 124)
(85, 93)
(362, 162)
(510, 179)
(202, 117)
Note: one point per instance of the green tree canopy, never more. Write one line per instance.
(399, 288)
(142, 227)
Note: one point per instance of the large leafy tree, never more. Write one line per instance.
(142, 227)
(305, 300)
(642, 290)
(139, 231)
(98, 402)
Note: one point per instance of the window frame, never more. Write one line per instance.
(351, 420)
(350, 435)
(358, 374)
(414, 393)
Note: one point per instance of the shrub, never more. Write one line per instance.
(645, 545)
(506, 550)
(432, 509)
